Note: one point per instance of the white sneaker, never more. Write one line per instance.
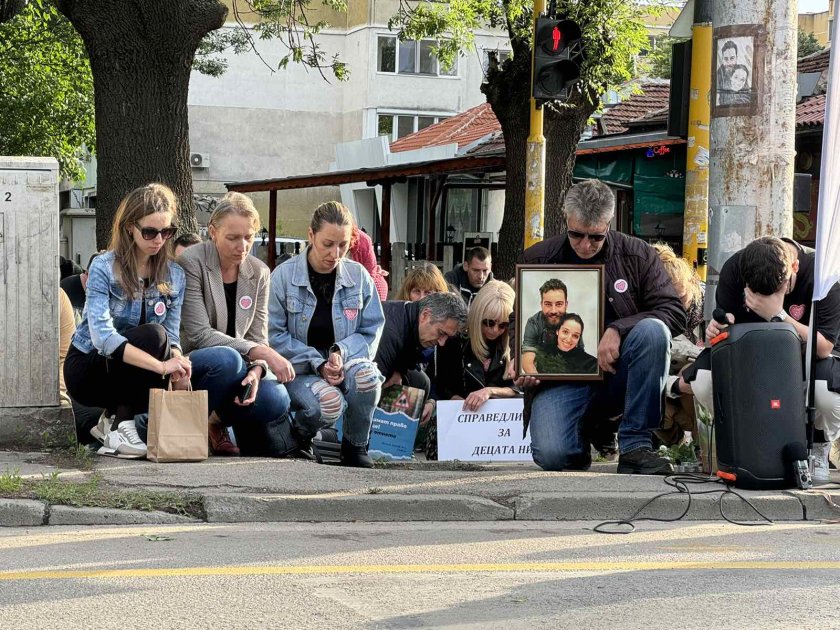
(820, 474)
(103, 427)
(125, 440)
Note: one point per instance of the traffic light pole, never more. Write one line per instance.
(696, 221)
(535, 161)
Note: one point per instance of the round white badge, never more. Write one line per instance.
(620, 285)
(160, 309)
(246, 302)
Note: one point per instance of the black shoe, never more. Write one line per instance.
(644, 461)
(355, 456)
(304, 450)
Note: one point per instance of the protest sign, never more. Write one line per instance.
(395, 423)
(493, 433)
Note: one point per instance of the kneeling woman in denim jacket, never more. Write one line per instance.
(225, 331)
(128, 341)
(326, 318)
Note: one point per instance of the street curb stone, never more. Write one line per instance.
(22, 512)
(67, 515)
(622, 505)
(237, 508)
(815, 504)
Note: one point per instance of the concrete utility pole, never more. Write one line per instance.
(753, 103)
(696, 221)
(535, 160)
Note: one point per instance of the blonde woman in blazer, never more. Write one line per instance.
(224, 329)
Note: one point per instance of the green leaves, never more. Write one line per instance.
(47, 107)
(295, 24)
(807, 44)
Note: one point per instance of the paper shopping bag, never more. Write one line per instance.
(177, 426)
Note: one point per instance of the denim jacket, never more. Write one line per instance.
(356, 310)
(108, 311)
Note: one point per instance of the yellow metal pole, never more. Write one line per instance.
(535, 161)
(696, 220)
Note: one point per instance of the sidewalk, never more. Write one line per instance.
(266, 490)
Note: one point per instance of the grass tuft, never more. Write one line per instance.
(92, 492)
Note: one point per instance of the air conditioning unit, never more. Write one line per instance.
(199, 160)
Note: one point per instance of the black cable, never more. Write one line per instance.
(681, 484)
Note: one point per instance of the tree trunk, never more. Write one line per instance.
(563, 127)
(141, 54)
(508, 91)
(10, 8)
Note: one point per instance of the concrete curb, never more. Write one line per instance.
(238, 508)
(815, 504)
(66, 515)
(22, 513)
(621, 505)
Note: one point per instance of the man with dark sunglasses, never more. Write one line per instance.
(641, 309)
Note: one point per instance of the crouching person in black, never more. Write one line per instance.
(411, 327)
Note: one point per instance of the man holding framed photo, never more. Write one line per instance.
(641, 308)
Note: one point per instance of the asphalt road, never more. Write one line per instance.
(419, 575)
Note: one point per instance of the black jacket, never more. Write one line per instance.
(399, 349)
(457, 372)
(459, 279)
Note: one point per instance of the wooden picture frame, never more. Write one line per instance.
(543, 344)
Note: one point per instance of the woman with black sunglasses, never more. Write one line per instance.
(477, 366)
(128, 340)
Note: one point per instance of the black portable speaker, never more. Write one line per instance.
(759, 399)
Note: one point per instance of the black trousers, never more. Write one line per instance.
(96, 381)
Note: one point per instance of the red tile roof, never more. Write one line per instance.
(462, 130)
(816, 62)
(811, 111)
(653, 98)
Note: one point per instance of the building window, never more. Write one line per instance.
(396, 126)
(501, 57)
(410, 57)
(387, 54)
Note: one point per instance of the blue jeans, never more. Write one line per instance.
(636, 389)
(220, 370)
(317, 405)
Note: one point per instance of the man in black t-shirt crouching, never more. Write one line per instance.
(772, 279)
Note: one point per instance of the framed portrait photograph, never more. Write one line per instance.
(738, 65)
(559, 321)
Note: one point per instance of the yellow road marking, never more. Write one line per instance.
(769, 565)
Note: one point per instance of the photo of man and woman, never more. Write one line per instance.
(559, 321)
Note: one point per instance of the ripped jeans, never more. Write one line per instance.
(317, 405)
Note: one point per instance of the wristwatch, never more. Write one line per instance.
(779, 317)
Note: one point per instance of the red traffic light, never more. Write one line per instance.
(555, 36)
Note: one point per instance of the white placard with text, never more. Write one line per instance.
(493, 433)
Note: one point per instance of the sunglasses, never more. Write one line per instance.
(492, 323)
(595, 238)
(150, 234)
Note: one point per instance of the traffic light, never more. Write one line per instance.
(557, 57)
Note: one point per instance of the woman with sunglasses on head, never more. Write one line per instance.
(225, 331)
(477, 366)
(128, 341)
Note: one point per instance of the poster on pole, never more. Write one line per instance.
(491, 434)
(738, 70)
